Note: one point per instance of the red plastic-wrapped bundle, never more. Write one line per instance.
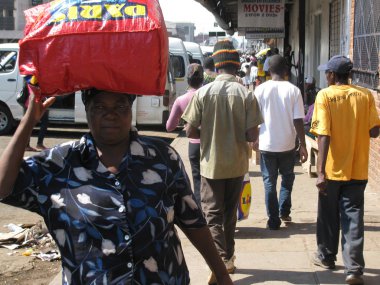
(114, 45)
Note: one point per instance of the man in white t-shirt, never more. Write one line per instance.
(282, 108)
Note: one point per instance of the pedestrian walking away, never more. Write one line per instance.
(225, 115)
(209, 74)
(195, 80)
(110, 200)
(282, 108)
(344, 119)
(246, 68)
(309, 97)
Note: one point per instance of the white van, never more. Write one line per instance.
(207, 50)
(69, 108)
(194, 50)
(180, 62)
(11, 83)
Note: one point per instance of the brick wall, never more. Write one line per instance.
(374, 156)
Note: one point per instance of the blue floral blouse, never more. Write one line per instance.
(112, 228)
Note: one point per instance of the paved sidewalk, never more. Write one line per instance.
(283, 257)
(263, 256)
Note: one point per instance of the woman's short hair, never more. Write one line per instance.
(195, 75)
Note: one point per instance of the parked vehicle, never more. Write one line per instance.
(69, 108)
(180, 62)
(207, 50)
(66, 109)
(10, 84)
(195, 51)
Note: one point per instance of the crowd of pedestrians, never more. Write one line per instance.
(273, 119)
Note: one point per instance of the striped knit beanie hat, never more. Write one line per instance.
(225, 55)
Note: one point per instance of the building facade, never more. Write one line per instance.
(324, 28)
(184, 31)
(12, 20)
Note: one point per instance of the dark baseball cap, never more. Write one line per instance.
(337, 64)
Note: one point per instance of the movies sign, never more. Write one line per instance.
(262, 15)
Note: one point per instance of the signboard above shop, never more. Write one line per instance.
(261, 18)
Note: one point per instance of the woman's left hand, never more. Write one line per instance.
(37, 106)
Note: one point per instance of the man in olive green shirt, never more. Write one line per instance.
(225, 115)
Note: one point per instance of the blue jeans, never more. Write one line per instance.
(342, 208)
(271, 164)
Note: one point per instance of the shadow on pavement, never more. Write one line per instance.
(284, 232)
(372, 229)
(258, 276)
(258, 174)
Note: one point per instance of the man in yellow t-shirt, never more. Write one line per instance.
(344, 119)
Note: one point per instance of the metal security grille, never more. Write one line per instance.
(366, 43)
(335, 27)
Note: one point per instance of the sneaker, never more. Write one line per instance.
(230, 265)
(286, 219)
(327, 264)
(212, 279)
(354, 279)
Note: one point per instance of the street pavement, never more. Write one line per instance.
(283, 257)
(263, 256)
